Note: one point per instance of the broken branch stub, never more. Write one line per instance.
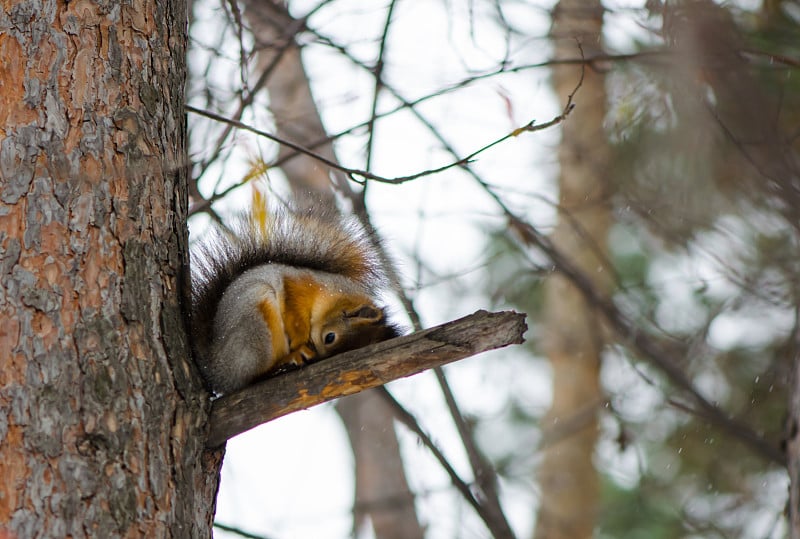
(362, 369)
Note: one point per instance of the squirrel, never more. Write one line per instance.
(273, 298)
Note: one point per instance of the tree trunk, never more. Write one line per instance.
(573, 334)
(102, 418)
(382, 492)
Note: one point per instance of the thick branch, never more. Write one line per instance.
(362, 369)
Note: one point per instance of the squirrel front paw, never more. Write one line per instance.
(302, 356)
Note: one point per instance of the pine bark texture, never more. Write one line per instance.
(573, 334)
(102, 421)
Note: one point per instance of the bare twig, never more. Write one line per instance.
(499, 528)
(238, 531)
(360, 175)
(485, 476)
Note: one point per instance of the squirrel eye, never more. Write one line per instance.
(330, 337)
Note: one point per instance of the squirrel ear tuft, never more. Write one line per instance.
(367, 312)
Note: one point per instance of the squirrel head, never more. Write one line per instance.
(350, 325)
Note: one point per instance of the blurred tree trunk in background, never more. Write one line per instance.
(381, 488)
(574, 338)
(102, 421)
(382, 492)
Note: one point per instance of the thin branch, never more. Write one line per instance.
(378, 71)
(499, 529)
(359, 175)
(485, 476)
(593, 62)
(248, 99)
(286, 40)
(238, 531)
(405, 104)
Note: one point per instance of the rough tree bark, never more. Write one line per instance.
(102, 419)
(379, 468)
(573, 334)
